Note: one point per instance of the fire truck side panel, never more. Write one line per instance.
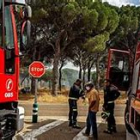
(8, 88)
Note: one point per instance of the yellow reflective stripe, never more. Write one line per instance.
(74, 109)
(72, 98)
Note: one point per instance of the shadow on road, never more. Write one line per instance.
(120, 135)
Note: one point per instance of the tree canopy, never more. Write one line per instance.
(61, 27)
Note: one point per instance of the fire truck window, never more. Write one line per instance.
(119, 70)
(9, 41)
(120, 62)
(18, 19)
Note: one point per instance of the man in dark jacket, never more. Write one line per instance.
(74, 94)
(111, 93)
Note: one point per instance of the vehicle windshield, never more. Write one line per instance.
(19, 18)
(9, 41)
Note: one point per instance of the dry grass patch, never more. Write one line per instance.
(48, 98)
(28, 97)
(44, 95)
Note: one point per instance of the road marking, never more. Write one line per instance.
(36, 132)
(80, 135)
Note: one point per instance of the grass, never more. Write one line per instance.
(44, 95)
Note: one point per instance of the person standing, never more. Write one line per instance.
(74, 94)
(93, 99)
(111, 93)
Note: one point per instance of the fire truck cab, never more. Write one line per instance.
(125, 74)
(14, 36)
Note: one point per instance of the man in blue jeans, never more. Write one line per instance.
(93, 99)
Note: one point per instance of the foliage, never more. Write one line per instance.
(97, 43)
(47, 76)
(76, 29)
(125, 36)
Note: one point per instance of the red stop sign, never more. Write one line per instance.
(36, 69)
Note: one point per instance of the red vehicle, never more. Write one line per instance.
(125, 74)
(14, 34)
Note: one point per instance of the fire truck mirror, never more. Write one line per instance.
(24, 12)
(28, 12)
(25, 35)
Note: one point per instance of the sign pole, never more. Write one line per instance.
(36, 70)
(35, 105)
(36, 82)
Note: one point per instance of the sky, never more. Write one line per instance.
(123, 2)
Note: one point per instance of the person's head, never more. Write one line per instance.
(78, 82)
(89, 86)
(107, 82)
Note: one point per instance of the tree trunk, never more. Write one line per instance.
(55, 75)
(33, 81)
(56, 65)
(84, 74)
(90, 65)
(89, 72)
(60, 75)
(33, 85)
(80, 72)
(97, 73)
(50, 85)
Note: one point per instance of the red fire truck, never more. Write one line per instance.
(124, 71)
(14, 35)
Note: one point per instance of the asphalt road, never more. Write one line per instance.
(53, 123)
(62, 109)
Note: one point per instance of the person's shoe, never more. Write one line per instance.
(76, 126)
(107, 131)
(114, 131)
(85, 134)
(95, 137)
(70, 124)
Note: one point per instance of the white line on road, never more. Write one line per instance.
(80, 136)
(36, 132)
